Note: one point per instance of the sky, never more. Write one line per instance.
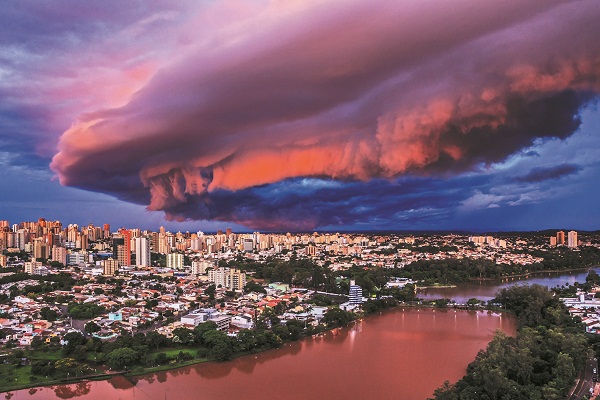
(297, 115)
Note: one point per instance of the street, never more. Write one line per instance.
(584, 380)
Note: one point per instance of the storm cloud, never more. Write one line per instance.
(364, 96)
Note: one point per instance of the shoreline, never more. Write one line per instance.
(525, 275)
(168, 367)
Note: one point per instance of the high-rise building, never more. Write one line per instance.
(59, 254)
(232, 279)
(248, 245)
(142, 252)
(22, 238)
(106, 231)
(200, 267)
(122, 247)
(552, 240)
(110, 266)
(32, 266)
(40, 249)
(175, 260)
(560, 238)
(355, 295)
(572, 239)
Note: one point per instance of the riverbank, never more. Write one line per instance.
(529, 274)
(23, 376)
(25, 371)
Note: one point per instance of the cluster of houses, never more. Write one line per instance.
(587, 307)
(142, 305)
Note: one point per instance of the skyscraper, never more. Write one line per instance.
(572, 239)
(560, 238)
(142, 252)
(122, 247)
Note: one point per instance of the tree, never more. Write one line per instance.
(473, 303)
(37, 343)
(91, 327)
(72, 339)
(48, 314)
(213, 337)
(161, 358)
(222, 351)
(210, 291)
(246, 340)
(336, 317)
(183, 335)
(295, 329)
(200, 329)
(122, 358)
(155, 340)
(252, 286)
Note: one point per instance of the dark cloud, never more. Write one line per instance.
(356, 93)
(543, 174)
(306, 204)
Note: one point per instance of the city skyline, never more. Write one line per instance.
(355, 116)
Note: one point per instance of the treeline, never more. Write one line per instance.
(62, 281)
(153, 349)
(451, 271)
(540, 363)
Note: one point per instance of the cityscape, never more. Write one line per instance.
(300, 199)
(65, 284)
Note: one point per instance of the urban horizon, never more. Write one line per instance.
(243, 230)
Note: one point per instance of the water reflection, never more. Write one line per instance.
(486, 290)
(70, 391)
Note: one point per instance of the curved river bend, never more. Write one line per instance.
(400, 354)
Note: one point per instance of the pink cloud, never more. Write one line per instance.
(352, 90)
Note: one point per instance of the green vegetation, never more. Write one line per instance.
(451, 271)
(85, 310)
(540, 363)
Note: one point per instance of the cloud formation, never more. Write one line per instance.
(347, 92)
(541, 174)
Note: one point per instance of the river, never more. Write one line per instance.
(400, 354)
(486, 290)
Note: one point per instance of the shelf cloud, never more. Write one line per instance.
(355, 95)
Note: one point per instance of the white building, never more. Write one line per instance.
(175, 261)
(142, 252)
(232, 279)
(355, 296)
(572, 239)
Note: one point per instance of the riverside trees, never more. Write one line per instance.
(540, 363)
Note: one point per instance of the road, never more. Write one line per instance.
(584, 380)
